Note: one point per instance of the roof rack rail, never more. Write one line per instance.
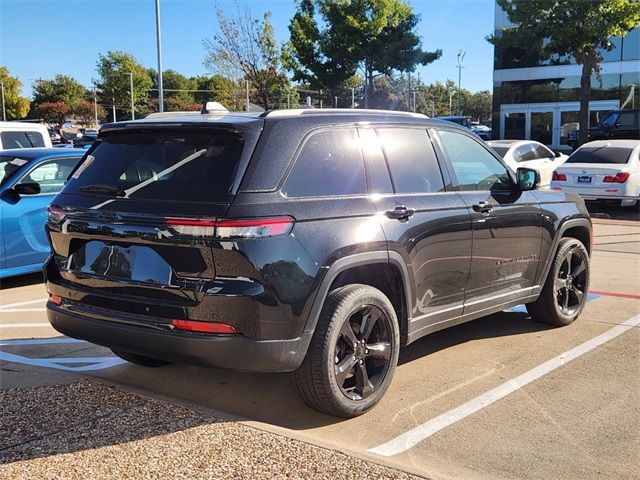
(292, 112)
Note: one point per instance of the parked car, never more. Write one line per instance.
(482, 131)
(85, 140)
(605, 170)
(313, 241)
(458, 119)
(619, 124)
(23, 135)
(530, 154)
(29, 179)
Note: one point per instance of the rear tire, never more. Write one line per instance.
(353, 352)
(565, 291)
(140, 359)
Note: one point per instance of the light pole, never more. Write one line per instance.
(461, 55)
(95, 106)
(4, 113)
(133, 114)
(159, 48)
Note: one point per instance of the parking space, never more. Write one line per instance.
(501, 397)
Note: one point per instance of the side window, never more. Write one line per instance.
(473, 165)
(526, 152)
(13, 139)
(412, 162)
(626, 119)
(51, 175)
(330, 163)
(544, 152)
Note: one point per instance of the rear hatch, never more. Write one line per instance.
(136, 219)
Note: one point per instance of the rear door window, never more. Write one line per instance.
(187, 165)
(51, 175)
(412, 161)
(16, 139)
(330, 163)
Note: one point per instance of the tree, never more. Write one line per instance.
(580, 28)
(15, 105)
(113, 81)
(172, 80)
(62, 88)
(312, 55)
(378, 36)
(85, 112)
(51, 112)
(246, 47)
(479, 105)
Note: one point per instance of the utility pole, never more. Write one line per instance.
(247, 94)
(336, 101)
(159, 48)
(288, 100)
(353, 98)
(133, 114)
(95, 106)
(320, 98)
(461, 55)
(414, 101)
(409, 92)
(4, 112)
(113, 101)
(450, 103)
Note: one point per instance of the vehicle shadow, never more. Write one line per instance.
(64, 418)
(21, 281)
(272, 397)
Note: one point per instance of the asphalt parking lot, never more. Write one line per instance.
(501, 397)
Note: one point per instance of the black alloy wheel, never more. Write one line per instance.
(363, 352)
(571, 282)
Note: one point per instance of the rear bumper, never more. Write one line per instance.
(233, 352)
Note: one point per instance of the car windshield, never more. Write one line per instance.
(9, 165)
(173, 164)
(616, 155)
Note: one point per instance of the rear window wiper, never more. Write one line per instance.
(106, 189)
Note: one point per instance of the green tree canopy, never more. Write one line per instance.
(580, 28)
(15, 105)
(113, 80)
(378, 36)
(62, 88)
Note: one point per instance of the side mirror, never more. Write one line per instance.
(557, 154)
(27, 188)
(528, 178)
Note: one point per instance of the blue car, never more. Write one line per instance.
(29, 179)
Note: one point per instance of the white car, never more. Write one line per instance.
(23, 135)
(529, 154)
(602, 170)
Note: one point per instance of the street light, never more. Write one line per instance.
(461, 55)
(4, 113)
(159, 48)
(133, 114)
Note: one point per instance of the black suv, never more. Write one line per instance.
(314, 241)
(619, 124)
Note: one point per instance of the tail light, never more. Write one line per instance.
(620, 177)
(558, 177)
(203, 327)
(240, 228)
(56, 214)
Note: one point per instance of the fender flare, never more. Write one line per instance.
(346, 263)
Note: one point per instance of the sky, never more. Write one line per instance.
(41, 38)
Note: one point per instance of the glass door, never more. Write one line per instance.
(514, 125)
(541, 127)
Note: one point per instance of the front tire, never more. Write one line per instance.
(564, 294)
(140, 359)
(353, 352)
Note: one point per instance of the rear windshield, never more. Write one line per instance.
(175, 165)
(14, 139)
(502, 151)
(615, 155)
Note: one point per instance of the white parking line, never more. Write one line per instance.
(420, 433)
(19, 325)
(19, 304)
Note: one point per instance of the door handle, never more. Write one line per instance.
(401, 213)
(482, 207)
